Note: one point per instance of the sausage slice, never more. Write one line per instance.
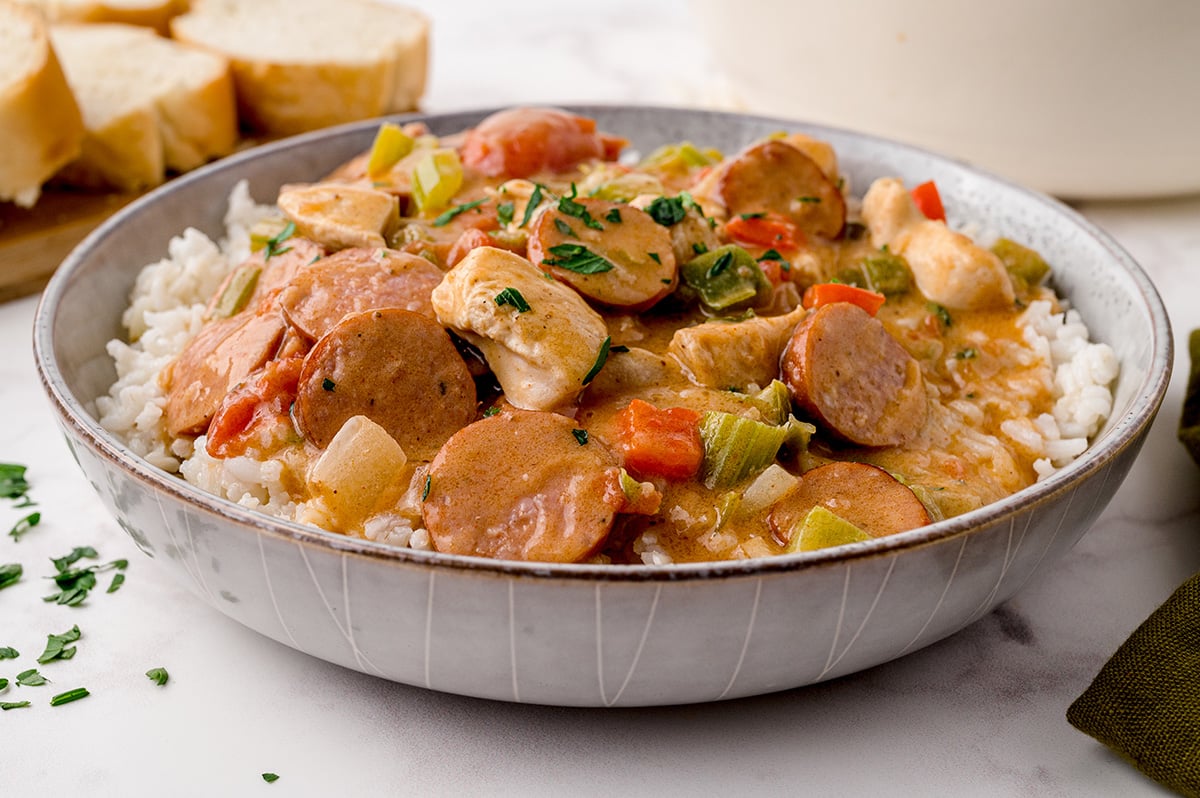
(850, 375)
(521, 486)
(865, 495)
(638, 267)
(354, 280)
(776, 177)
(397, 368)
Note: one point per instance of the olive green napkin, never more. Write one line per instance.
(1145, 702)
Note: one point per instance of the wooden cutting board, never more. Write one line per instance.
(34, 241)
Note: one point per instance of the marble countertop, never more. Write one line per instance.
(981, 713)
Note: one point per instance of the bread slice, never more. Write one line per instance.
(40, 124)
(303, 64)
(150, 13)
(149, 104)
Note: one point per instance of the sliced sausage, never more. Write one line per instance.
(397, 368)
(638, 266)
(354, 280)
(519, 142)
(521, 486)
(865, 495)
(772, 176)
(846, 371)
(221, 355)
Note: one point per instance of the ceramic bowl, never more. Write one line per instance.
(586, 634)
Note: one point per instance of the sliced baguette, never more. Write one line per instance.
(149, 104)
(149, 13)
(40, 124)
(303, 64)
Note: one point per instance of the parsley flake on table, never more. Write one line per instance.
(158, 675)
(3, 684)
(117, 580)
(8, 652)
(270, 778)
(78, 553)
(69, 696)
(31, 678)
(24, 525)
(57, 648)
(13, 484)
(10, 574)
(75, 583)
(7, 705)
(577, 258)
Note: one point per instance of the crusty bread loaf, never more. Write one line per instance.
(149, 104)
(150, 13)
(303, 64)
(40, 125)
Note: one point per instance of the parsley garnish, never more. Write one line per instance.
(504, 213)
(577, 258)
(328, 384)
(723, 262)
(511, 296)
(535, 199)
(748, 216)
(31, 678)
(428, 484)
(670, 210)
(570, 207)
(654, 257)
(270, 778)
(13, 484)
(63, 563)
(966, 354)
(939, 311)
(446, 216)
(808, 200)
(69, 696)
(158, 675)
(117, 580)
(8, 652)
(618, 348)
(272, 248)
(564, 228)
(581, 436)
(24, 525)
(74, 583)
(601, 357)
(10, 574)
(57, 648)
(3, 684)
(7, 705)
(613, 216)
(491, 411)
(774, 255)
(699, 247)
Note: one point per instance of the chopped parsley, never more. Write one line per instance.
(117, 580)
(567, 205)
(158, 675)
(772, 254)
(581, 435)
(7, 705)
(13, 484)
(564, 228)
(270, 778)
(613, 216)
(428, 484)
(446, 217)
(668, 211)
(10, 574)
(504, 213)
(511, 296)
(74, 583)
(699, 247)
(601, 358)
(967, 353)
(79, 552)
(24, 525)
(57, 648)
(942, 314)
(491, 411)
(748, 216)
(69, 696)
(723, 262)
(3, 684)
(808, 200)
(654, 257)
(8, 652)
(328, 384)
(618, 348)
(577, 258)
(31, 678)
(535, 199)
(273, 244)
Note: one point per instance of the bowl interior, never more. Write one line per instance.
(82, 306)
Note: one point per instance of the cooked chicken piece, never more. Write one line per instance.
(734, 354)
(949, 267)
(540, 338)
(340, 215)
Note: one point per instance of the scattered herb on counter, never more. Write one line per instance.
(24, 525)
(31, 678)
(535, 199)
(447, 216)
(7, 705)
(504, 213)
(75, 583)
(511, 296)
(57, 648)
(10, 574)
(13, 484)
(8, 652)
(3, 684)
(117, 580)
(577, 258)
(158, 675)
(69, 696)
(78, 553)
(273, 244)
(270, 778)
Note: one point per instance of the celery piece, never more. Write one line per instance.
(887, 273)
(264, 230)
(822, 528)
(237, 291)
(390, 145)
(680, 157)
(726, 278)
(736, 448)
(1027, 268)
(436, 178)
(774, 402)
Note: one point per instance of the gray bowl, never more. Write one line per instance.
(583, 634)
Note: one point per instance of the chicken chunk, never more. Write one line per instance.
(949, 267)
(540, 338)
(734, 354)
(340, 215)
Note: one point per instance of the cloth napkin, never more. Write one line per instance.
(1145, 702)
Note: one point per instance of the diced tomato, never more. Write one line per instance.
(827, 293)
(929, 201)
(264, 398)
(773, 270)
(655, 442)
(519, 142)
(770, 230)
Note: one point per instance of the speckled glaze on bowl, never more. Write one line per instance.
(599, 635)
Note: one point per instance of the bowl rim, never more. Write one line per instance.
(1124, 432)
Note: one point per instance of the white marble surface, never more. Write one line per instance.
(979, 714)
